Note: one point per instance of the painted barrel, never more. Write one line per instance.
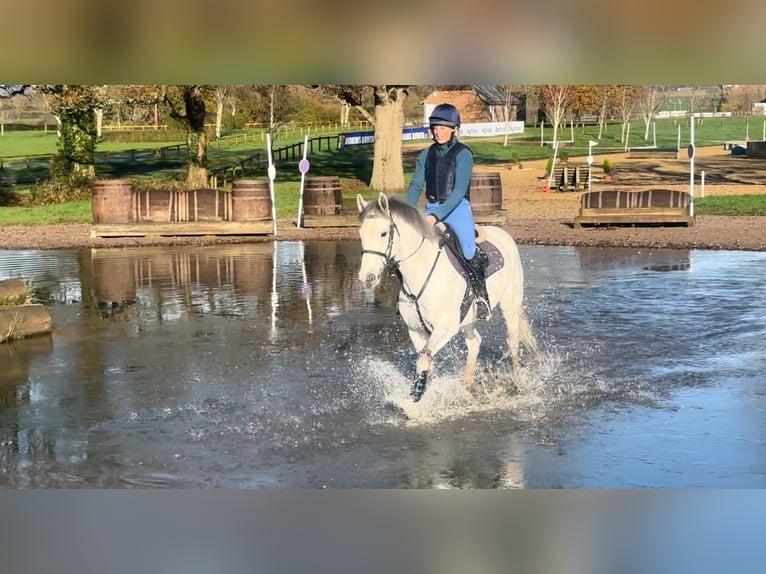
(486, 192)
(322, 195)
(112, 201)
(251, 200)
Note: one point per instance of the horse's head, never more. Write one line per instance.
(392, 231)
(377, 235)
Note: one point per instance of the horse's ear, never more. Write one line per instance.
(360, 202)
(383, 203)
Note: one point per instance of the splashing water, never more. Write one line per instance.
(528, 395)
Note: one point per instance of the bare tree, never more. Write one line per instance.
(509, 105)
(625, 100)
(608, 99)
(556, 100)
(219, 92)
(649, 100)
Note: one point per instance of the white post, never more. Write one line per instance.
(702, 183)
(272, 173)
(542, 140)
(303, 167)
(627, 137)
(553, 166)
(591, 143)
(691, 170)
(571, 125)
(678, 141)
(763, 138)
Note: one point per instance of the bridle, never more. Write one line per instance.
(392, 264)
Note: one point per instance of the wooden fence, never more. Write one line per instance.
(220, 176)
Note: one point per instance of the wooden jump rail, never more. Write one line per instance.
(653, 153)
(634, 207)
(570, 177)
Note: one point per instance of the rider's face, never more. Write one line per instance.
(442, 134)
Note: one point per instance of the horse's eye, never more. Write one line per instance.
(383, 233)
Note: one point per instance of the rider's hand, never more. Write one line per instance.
(431, 219)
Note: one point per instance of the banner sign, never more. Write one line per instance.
(361, 138)
(476, 130)
(489, 129)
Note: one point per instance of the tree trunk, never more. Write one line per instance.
(220, 96)
(196, 138)
(196, 178)
(99, 121)
(218, 118)
(387, 167)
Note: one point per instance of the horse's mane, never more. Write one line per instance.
(404, 212)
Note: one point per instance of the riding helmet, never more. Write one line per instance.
(445, 115)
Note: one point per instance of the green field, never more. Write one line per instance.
(25, 159)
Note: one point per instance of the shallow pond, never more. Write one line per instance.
(268, 366)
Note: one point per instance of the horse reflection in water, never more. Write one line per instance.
(396, 237)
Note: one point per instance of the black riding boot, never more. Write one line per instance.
(478, 283)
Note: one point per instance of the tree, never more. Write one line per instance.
(742, 97)
(608, 99)
(388, 120)
(556, 100)
(220, 99)
(509, 107)
(74, 108)
(625, 102)
(650, 98)
(585, 101)
(187, 105)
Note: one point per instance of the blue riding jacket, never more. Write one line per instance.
(451, 178)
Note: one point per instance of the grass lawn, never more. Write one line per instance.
(26, 155)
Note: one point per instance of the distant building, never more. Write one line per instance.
(479, 104)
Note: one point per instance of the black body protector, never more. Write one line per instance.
(440, 179)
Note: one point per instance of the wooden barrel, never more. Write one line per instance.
(112, 201)
(486, 192)
(251, 200)
(322, 196)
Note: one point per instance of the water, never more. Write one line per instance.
(216, 367)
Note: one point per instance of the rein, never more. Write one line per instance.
(393, 264)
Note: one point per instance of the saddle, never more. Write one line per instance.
(460, 263)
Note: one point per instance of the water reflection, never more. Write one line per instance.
(267, 365)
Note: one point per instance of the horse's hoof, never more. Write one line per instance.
(418, 387)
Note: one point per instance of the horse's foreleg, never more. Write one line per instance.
(424, 364)
(472, 343)
(422, 369)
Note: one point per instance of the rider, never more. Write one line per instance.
(444, 168)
